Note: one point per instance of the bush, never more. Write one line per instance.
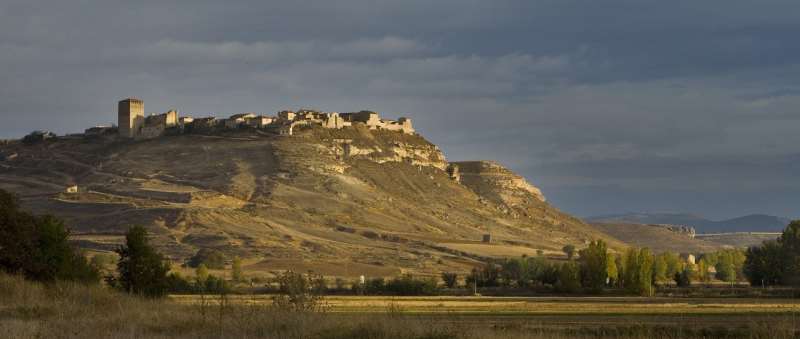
(450, 279)
(684, 278)
(141, 269)
(212, 258)
(408, 285)
(38, 247)
(375, 286)
(295, 293)
(569, 250)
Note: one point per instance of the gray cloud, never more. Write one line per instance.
(666, 105)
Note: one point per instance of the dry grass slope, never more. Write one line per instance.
(379, 200)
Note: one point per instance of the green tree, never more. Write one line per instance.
(764, 265)
(511, 271)
(569, 250)
(790, 246)
(594, 266)
(612, 268)
(201, 274)
(674, 264)
(726, 267)
(450, 279)
(660, 269)
(702, 271)
(638, 271)
(141, 269)
(38, 246)
(569, 277)
(487, 276)
(236, 270)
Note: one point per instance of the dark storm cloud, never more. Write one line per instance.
(666, 105)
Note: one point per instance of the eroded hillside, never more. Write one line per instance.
(341, 202)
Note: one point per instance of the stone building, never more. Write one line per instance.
(237, 120)
(369, 118)
(260, 121)
(334, 120)
(183, 121)
(286, 115)
(373, 121)
(130, 117)
(203, 125)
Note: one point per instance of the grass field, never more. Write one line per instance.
(30, 310)
(534, 306)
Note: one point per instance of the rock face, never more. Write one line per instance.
(342, 202)
(490, 179)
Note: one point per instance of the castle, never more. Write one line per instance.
(132, 123)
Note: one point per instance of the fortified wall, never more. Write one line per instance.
(133, 123)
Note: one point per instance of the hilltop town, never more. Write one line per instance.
(132, 122)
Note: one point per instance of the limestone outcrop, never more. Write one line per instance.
(495, 182)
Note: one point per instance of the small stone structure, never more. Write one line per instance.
(487, 238)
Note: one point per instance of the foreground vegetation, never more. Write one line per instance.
(49, 289)
(70, 310)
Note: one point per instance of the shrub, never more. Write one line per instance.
(212, 258)
(141, 269)
(569, 250)
(103, 261)
(408, 285)
(236, 270)
(38, 247)
(178, 284)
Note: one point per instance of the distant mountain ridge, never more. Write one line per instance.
(747, 223)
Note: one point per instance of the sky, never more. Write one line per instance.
(608, 106)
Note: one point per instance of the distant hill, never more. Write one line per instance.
(344, 202)
(748, 223)
(658, 239)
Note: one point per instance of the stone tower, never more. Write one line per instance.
(130, 114)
